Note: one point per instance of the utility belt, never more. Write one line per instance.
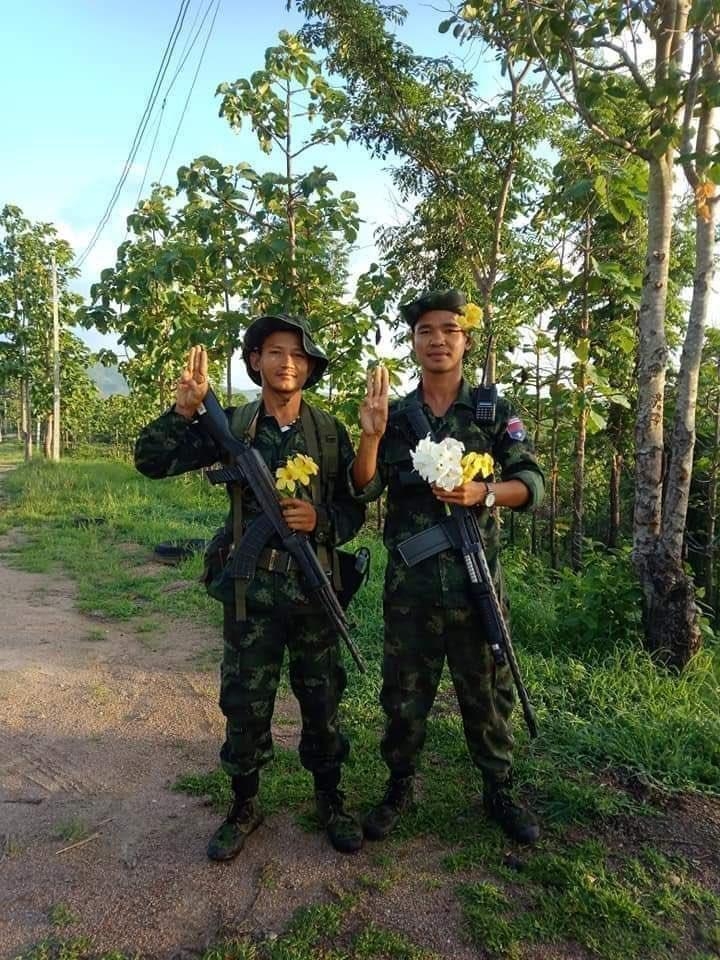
(348, 573)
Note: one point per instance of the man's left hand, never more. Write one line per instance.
(468, 494)
(300, 515)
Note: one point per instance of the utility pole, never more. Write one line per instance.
(56, 366)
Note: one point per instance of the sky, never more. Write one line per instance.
(79, 74)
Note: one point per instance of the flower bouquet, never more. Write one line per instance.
(442, 463)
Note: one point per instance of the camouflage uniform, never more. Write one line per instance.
(279, 613)
(428, 610)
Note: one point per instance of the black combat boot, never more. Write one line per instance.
(518, 823)
(343, 830)
(242, 818)
(397, 799)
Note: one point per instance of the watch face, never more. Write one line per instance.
(490, 499)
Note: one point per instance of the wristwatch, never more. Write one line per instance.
(489, 501)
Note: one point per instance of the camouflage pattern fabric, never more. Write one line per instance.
(279, 612)
(417, 641)
(252, 659)
(428, 610)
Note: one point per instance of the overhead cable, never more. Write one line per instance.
(140, 132)
(192, 85)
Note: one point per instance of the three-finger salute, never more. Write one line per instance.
(192, 387)
(374, 408)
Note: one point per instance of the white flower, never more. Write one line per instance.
(439, 463)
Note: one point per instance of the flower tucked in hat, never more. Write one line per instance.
(470, 316)
(453, 300)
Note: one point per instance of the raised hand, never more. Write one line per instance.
(374, 408)
(192, 387)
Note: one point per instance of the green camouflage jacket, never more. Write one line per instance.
(172, 445)
(411, 506)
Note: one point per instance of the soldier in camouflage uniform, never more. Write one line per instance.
(428, 611)
(273, 611)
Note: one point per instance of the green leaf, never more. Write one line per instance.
(595, 422)
(582, 350)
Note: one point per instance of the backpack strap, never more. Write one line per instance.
(321, 438)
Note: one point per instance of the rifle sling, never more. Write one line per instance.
(241, 583)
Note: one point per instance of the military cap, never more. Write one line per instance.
(261, 328)
(453, 300)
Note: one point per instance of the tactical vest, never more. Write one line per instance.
(322, 442)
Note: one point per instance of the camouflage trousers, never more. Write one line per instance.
(250, 672)
(418, 639)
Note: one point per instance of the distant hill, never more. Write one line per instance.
(108, 379)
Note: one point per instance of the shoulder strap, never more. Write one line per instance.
(321, 436)
(417, 418)
(244, 420)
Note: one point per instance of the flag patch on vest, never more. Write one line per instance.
(516, 429)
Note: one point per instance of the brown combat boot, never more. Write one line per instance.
(383, 817)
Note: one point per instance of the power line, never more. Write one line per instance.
(192, 85)
(187, 50)
(142, 126)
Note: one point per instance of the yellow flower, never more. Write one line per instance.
(300, 468)
(476, 465)
(470, 316)
(307, 466)
(285, 481)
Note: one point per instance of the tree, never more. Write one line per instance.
(244, 242)
(466, 166)
(584, 48)
(26, 254)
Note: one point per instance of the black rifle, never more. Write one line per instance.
(247, 465)
(461, 531)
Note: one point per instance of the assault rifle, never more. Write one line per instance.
(248, 466)
(460, 531)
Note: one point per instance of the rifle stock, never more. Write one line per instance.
(256, 474)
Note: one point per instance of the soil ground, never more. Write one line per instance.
(95, 727)
(97, 723)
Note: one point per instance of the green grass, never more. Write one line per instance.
(71, 830)
(77, 948)
(111, 558)
(60, 915)
(607, 717)
(11, 452)
(615, 907)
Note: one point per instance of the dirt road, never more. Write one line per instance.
(95, 727)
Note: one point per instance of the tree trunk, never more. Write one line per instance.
(25, 419)
(578, 507)
(614, 492)
(554, 556)
(669, 609)
(48, 438)
(709, 571)
(683, 639)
